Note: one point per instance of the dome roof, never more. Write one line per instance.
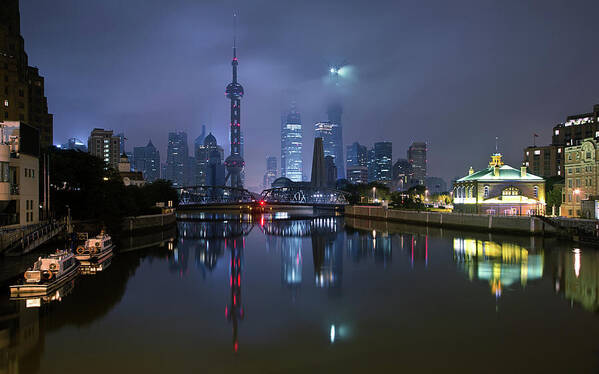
(282, 182)
(210, 140)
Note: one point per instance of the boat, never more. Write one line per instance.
(95, 249)
(47, 274)
(36, 301)
(94, 267)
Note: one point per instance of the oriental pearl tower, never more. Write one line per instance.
(234, 92)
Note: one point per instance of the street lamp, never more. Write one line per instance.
(374, 194)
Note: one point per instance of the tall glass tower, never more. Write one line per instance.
(291, 146)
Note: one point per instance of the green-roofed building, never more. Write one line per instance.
(499, 190)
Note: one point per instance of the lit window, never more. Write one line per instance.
(559, 150)
(6, 103)
(527, 153)
(510, 191)
(535, 191)
(559, 172)
(556, 132)
(537, 152)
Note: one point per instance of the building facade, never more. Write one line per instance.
(177, 157)
(545, 161)
(22, 95)
(417, 158)
(291, 146)
(19, 174)
(202, 159)
(499, 190)
(581, 176)
(147, 161)
(103, 144)
(130, 178)
(334, 114)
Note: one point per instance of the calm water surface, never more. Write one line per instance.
(318, 295)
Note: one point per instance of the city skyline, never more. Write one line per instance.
(446, 97)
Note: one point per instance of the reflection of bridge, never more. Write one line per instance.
(214, 229)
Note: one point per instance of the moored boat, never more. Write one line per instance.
(47, 274)
(95, 249)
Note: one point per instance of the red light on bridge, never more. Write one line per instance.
(262, 202)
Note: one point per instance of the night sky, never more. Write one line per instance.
(453, 73)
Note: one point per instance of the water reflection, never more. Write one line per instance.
(500, 264)
(367, 286)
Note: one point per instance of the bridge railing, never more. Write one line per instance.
(305, 195)
(205, 195)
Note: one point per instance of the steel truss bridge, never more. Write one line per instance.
(223, 195)
(213, 195)
(304, 196)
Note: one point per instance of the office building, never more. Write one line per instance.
(381, 162)
(357, 155)
(103, 144)
(330, 171)
(330, 132)
(147, 161)
(271, 172)
(22, 96)
(334, 113)
(403, 173)
(319, 173)
(177, 157)
(417, 158)
(19, 174)
(202, 159)
(291, 146)
(357, 174)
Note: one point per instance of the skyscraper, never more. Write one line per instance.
(357, 163)
(417, 157)
(23, 86)
(200, 139)
(147, 160)
(334, 113)
(122, 139)
(202, 158)
(330, 132)
(103, 144)
(382, 161)
(330, 171)
(235, 163)
(402, 174)
(319, 176)
(271, 172)
(177, 156)
(291, 146)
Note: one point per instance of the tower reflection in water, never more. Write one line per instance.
(234, 311)
(362, 245)
(500, 264)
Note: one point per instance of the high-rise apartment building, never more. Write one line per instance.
(402, 174)
(21, 86)
(147, 160)
(291, 146)
(177, 157)
(103, 144)
(548, 160)
(417, 158)
(271, 172)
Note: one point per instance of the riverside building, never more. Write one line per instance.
(580, 177)
(499, 190)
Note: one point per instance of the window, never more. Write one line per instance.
(6, 103)
(556, 132)
(588, 155)
(570, 156)
(486, 191)
(510, 191)
(577, 182)
(537, 152)
(535, 191)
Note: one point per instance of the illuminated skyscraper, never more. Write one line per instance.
(177, 157)
(381, 163)
(357, 163)
(334, 112)
(417, 157)
(291, 146)
(271, 171)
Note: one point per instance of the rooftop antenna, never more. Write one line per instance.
(496, 144)
(234, 34)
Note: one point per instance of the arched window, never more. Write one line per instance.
(535, 191)
(510, 191)
(486, 193)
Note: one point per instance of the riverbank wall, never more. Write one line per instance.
(478, 222)
(138, 224)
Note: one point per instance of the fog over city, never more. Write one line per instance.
(454, 74)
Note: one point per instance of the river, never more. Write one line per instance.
(317, 295)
